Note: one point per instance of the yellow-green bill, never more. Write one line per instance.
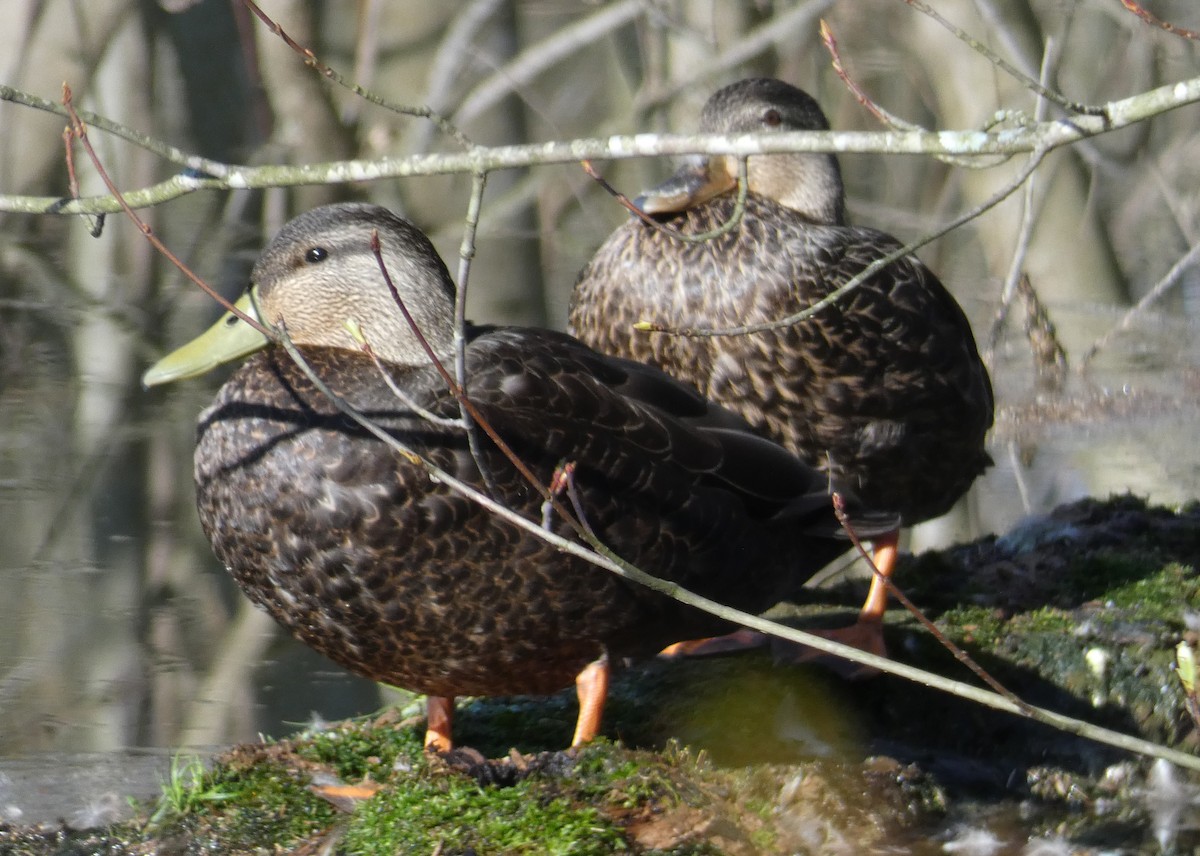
(229, 339)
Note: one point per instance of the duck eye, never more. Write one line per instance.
(316, 254)
(772, 118)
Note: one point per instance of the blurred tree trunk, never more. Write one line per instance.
(1070, 258)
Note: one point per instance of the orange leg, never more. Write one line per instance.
(886, 550)
(439, 717)
(865, 634)
(591, 685)
(739, 640)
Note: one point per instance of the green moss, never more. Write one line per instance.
(977, 625)
(273, 804)
(357, 750)
(1045, 620)
(764, 839)
(1161, 594)
(451, 813)
(568, 803)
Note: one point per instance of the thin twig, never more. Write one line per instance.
(782, 29)
(80, 131)
(158, 147)
(459, 393)
(577, 502)
(886, 118)
(563, 479)
(1153, 21)
(607, 187)
(1005, 66)
(1024, 232)
(68, 136)
(393, 387)
(1016, 265)
(466, 255)
(890, 120)
(310, 59)
(366, 50)
(1171, 277)
(448, 63)
(531, 62)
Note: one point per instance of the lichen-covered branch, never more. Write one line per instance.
(1005, 139)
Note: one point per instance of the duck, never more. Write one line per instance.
(884, 389)
(353, 544)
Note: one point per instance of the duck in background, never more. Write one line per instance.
(884, 389)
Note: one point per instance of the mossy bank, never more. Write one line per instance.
(1079, 611)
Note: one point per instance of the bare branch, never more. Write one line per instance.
(537, 58)
(1161, 287)
(448, 62)
(165, 151)
(310, 59)
(1007, 67)
(781, 28)
(79, 129)
(1025, 232)
(839, 507)
(1030, 137)
(735, 216)
(885, 118)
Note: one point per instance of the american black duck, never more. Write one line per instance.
(884, 389)
(360, 554)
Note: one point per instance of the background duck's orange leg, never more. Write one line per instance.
(591, 685)
(866, 634)
(439, 718)
(739, 640)
(886, 549)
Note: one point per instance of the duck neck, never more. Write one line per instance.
(809, 184)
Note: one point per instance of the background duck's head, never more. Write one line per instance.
(809, 183)
(320, 279)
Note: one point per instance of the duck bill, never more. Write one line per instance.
(229, 339)
(694, 183)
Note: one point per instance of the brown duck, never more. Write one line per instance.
(884, 389)
(360, 554)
